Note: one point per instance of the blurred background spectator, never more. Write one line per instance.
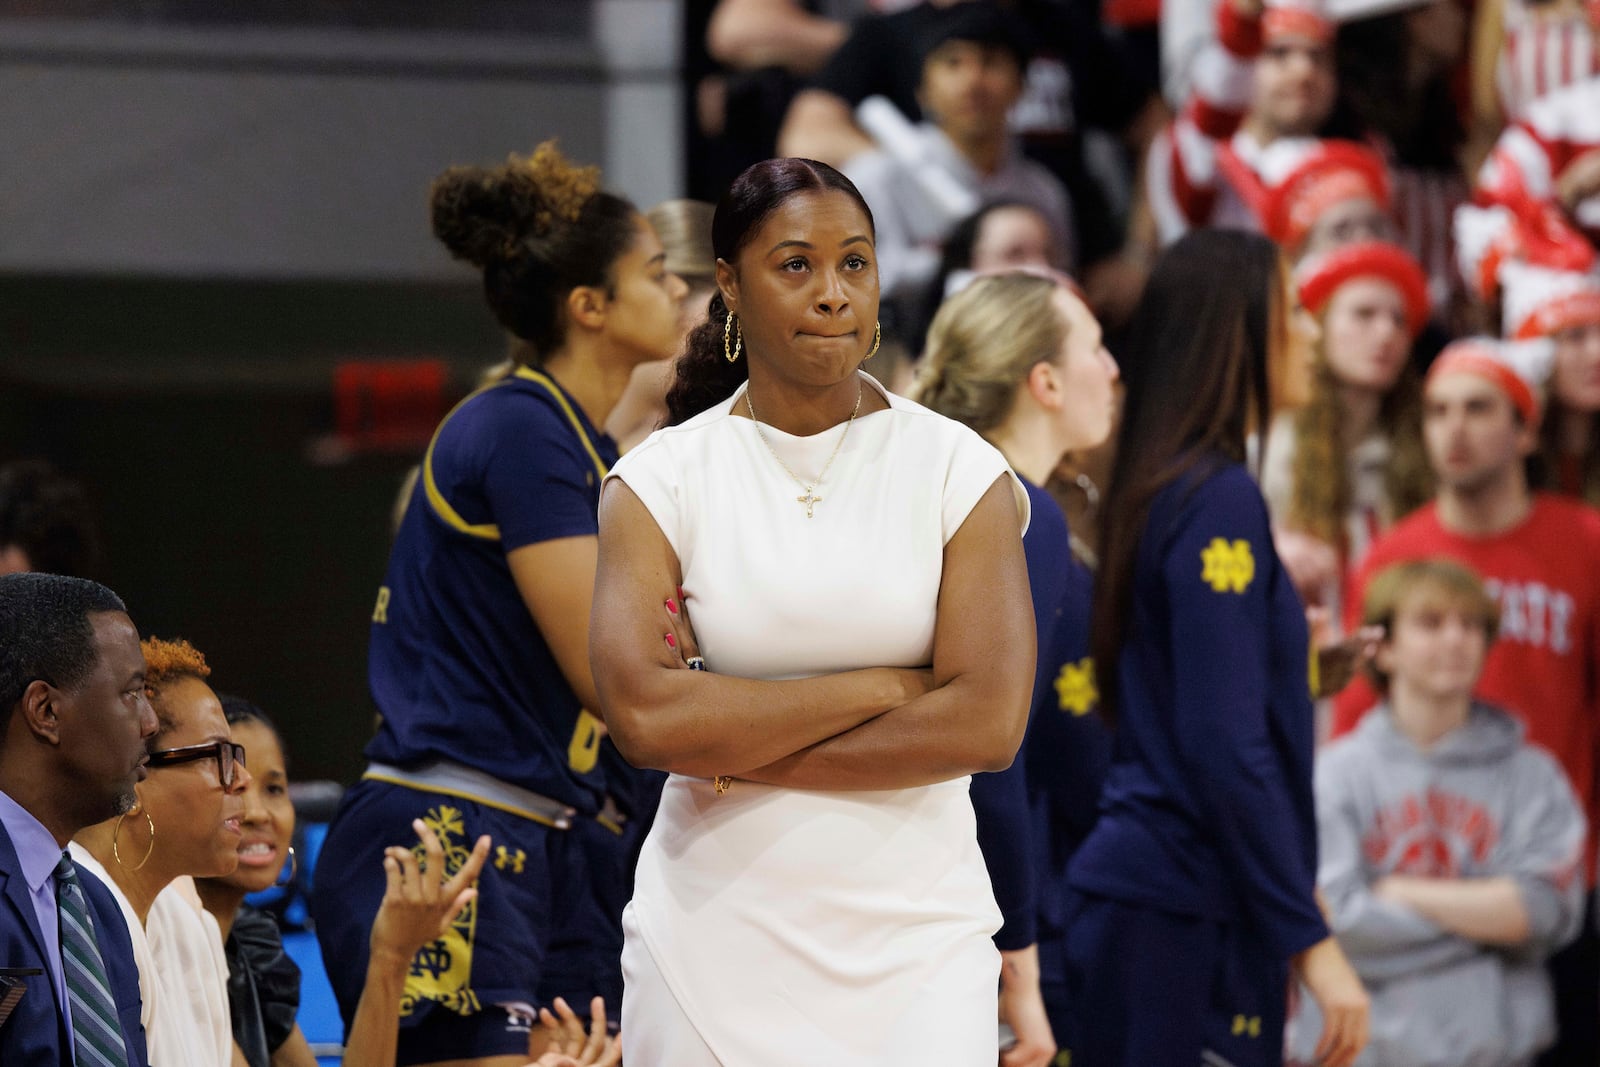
(46, 523)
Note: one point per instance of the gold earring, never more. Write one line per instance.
(877, 339)
(728, 327)
(294, 869)
(118, 830)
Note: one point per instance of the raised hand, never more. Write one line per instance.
(566, 1042)
(418, 903)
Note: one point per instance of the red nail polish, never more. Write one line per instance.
(672, 606)
(672, 642)
(680, 593)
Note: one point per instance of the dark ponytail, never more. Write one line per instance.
(538, 227)
(703, 375)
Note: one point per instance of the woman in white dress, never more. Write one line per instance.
(812, 891)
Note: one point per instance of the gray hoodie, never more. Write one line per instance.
(1480, 803)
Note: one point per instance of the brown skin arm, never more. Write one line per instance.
(751, 34)
(1488, 36)
(694, 722)
(983, 663)
(822, 126)
(294, 1052)
(419, 905)
(1579, 180)
(556, 581)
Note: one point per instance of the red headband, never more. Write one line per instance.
(1368, 259)
(1574, 309)
(1295, 22)
(1472, 359)
(1333, 172)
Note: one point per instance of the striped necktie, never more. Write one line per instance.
(96, 1036)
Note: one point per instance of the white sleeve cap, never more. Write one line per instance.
(974, 465)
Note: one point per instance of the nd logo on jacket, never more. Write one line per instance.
(1227, 568)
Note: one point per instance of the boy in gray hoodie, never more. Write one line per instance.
(1450, 847)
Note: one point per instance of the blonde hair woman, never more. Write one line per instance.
(1018, 358)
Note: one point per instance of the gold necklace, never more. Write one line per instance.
(809, 499)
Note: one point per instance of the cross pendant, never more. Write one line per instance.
(810, 500)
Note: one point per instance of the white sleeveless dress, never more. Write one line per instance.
(775, 927)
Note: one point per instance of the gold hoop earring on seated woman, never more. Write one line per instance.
(117, 854)
(729, 325)
(877, 339)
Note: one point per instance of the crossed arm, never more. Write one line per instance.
(880, 728)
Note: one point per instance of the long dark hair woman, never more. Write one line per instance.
(812, 891)
(478, 658)
(1195, 891)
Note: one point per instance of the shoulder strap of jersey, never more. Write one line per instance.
(488, 531)
(528, 374)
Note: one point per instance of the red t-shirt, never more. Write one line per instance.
(1545, 665)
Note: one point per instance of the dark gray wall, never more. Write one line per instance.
(202, 216)
(190, 149)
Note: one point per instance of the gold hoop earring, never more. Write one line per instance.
(877, 339)
(294, 869)
(728, 326)
(117, 854)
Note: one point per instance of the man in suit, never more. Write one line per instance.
(74, 719)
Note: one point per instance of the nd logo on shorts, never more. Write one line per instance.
(442, 970)
(1227, 568)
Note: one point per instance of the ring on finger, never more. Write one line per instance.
(696, 663)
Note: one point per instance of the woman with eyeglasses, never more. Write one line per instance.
(186, 823)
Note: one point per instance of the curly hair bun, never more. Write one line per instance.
(488, 214)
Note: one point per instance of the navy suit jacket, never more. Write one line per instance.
(36, 1033)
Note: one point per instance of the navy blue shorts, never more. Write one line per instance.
(1149, 988)
(547, 921)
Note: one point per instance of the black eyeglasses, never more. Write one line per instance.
(228, 755)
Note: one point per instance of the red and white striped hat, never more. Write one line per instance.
(1540, 301)
(1304, 176)
(1319, 278)
(1296, 18)
(1532, 155)
(1543, 268)
(1517, 368)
